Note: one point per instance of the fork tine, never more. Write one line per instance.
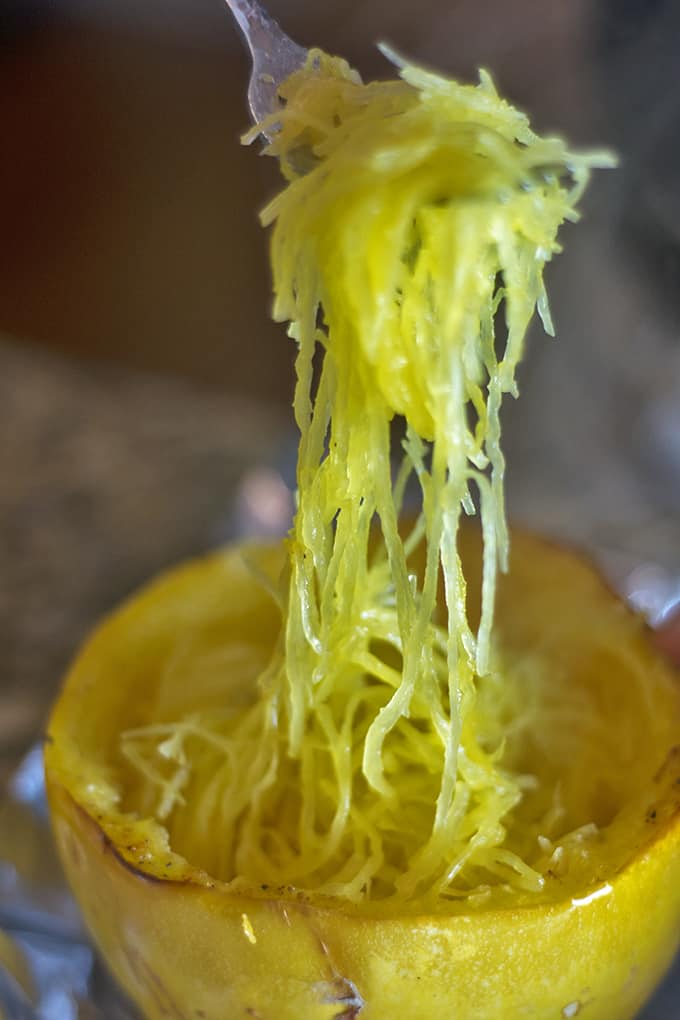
(275, 56)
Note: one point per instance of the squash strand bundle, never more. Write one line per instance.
(372, 765)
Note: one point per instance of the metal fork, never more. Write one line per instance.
(274, 57)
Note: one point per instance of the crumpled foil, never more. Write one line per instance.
(48, 969)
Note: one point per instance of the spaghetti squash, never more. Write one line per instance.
(366, 771)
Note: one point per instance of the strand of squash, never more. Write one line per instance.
(334, 515)
(428, 606)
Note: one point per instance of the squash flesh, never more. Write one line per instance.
(372, 764)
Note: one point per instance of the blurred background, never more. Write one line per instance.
(128, 206)
(144, 394)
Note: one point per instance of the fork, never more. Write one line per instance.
(274, 55)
